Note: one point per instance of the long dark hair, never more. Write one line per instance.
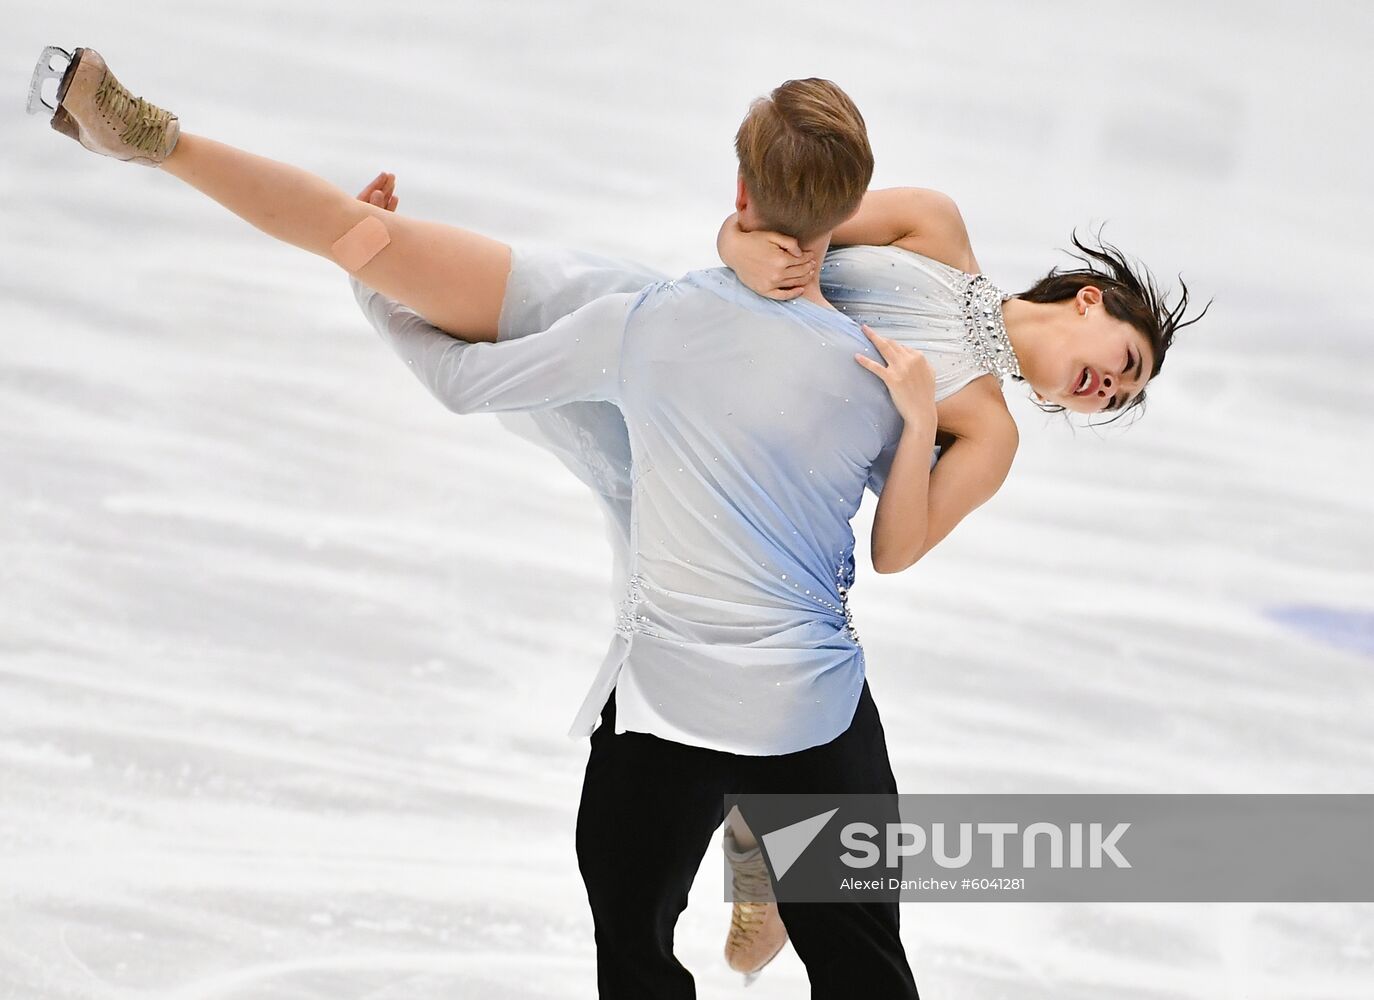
(1129, 293)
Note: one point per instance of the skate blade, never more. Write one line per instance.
(750, 977)
(44, 72)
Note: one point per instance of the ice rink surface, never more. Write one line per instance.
(287, 652)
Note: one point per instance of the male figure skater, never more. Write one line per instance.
(752, 435)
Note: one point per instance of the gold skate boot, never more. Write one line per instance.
(97, 111)
(756, 937)
(757, 933)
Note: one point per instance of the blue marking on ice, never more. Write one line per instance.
(1345, 628)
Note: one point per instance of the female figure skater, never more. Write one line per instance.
(1085, 340)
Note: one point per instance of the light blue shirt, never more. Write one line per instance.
(752, 433)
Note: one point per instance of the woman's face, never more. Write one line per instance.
(1099, 362)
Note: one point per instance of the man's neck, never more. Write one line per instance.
(813, 293)
(748, 221)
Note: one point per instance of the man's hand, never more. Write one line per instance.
(381, 192)
(908, 376)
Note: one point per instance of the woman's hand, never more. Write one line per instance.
(381, 192)
(908, 376)
(771, 264)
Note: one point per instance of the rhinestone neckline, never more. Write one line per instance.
(985, 330)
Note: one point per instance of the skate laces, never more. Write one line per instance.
(145, 125)
(746, 919)
(750, 882)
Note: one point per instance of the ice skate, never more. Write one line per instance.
(97, 111)
(757, 933)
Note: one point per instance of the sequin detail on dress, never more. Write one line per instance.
(985, 330)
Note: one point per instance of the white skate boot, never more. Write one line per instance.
(95, 110)
(757, 933)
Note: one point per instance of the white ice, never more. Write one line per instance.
(287, 652)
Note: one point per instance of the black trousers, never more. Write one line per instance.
(649, 812)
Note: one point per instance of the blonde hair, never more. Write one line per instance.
(804, 156)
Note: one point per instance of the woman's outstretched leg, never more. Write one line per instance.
(454, 278)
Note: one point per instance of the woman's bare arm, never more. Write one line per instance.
(919, 504)
(918, 219)
(969, 473)
(900, 524)
(895, 215)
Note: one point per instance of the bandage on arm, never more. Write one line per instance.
(360, 244)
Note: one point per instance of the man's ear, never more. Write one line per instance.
(741, 195)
